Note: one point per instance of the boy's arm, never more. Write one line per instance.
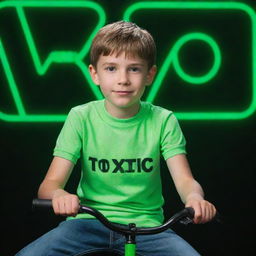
(53, 185)
(189, 189)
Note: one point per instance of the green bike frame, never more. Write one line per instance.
(130, 249)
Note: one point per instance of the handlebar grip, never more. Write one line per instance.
(41, 204)
(191, 212)
(187, 216)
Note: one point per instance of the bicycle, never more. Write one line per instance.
(130, 231)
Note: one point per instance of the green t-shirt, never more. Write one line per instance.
(121, 159)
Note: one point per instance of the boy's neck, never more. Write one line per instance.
(122, 113)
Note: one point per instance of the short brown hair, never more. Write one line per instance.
(123, 36)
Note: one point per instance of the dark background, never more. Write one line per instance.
(221, 153)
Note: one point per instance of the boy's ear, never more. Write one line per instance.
(94, 74)
(151, 74)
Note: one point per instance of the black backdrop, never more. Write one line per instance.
(221, 152)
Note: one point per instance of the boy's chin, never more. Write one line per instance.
(123, 104)
(126, 104)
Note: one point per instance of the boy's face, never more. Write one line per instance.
(122, 80)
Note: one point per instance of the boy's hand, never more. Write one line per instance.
(65, 203)
(204, 210)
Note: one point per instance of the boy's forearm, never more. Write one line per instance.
(186, 185)
(56, 178)
(48, 189)
(191, 190)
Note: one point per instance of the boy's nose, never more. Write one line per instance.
(123, 78)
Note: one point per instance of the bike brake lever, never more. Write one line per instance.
(186, 221)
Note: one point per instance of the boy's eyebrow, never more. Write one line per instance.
(108, 63)
(137, 64)
(132, 64)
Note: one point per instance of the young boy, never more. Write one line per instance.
(120, 140)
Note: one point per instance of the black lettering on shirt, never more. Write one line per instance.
(122, 166)
(144, 165)
(130, 165)
(104, 165)
(118, 165)
(94, 160)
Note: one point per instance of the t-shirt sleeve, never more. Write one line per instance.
(172, 139)
(69, 142)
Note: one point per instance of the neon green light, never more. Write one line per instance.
(77, 57)
(60, 57)
(172, 56)
(11, 81)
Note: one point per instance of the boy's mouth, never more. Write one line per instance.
(123, 92)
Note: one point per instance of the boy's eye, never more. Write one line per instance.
(110, 68)
(134, 69)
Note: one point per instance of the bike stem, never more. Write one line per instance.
(130, 244)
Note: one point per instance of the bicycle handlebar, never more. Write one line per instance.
(185, 216)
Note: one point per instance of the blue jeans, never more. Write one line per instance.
(75, 237)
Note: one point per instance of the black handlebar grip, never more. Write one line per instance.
(191, 212)
(41, 204)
